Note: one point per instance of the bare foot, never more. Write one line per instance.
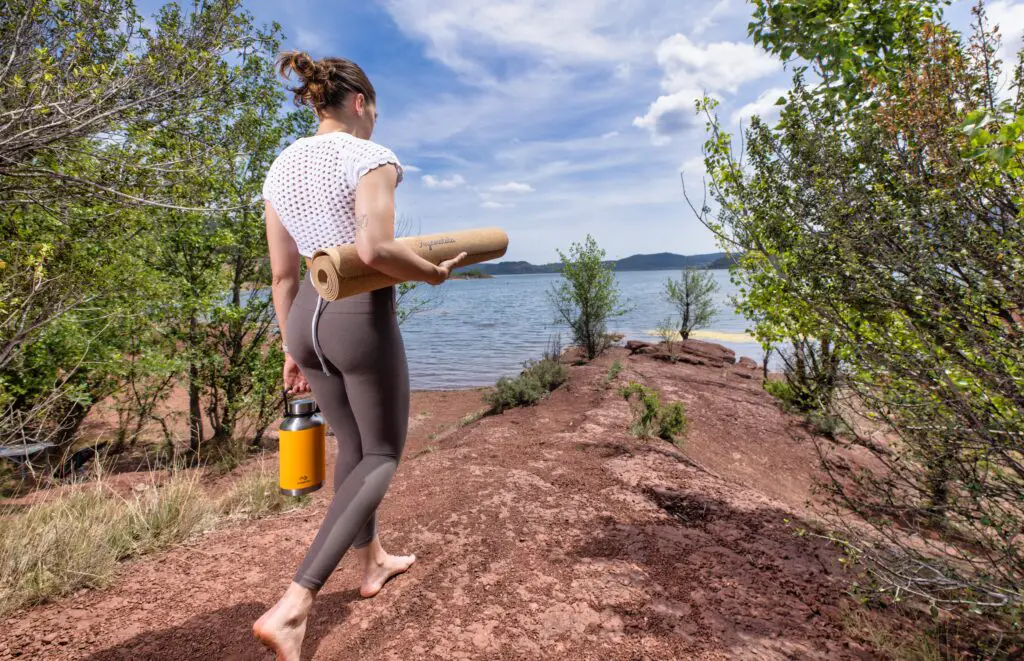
(282, 632)
(379, 572)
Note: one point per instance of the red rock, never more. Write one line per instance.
(748, 363)
(635, 346)
(708, 350)
(686, 358)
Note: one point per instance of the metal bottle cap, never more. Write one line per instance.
(301, 407)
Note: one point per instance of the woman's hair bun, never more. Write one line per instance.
(326, 82)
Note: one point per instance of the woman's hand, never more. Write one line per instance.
(444, 269)
(293, 379)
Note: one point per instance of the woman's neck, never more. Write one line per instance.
(331, 125)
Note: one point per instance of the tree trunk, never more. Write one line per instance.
(195, 414)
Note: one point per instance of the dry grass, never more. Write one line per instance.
(77, 538)
(255, 495)
(898, 644)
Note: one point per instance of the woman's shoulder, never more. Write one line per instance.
(358, 145)
(366, 155)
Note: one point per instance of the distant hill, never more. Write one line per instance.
(657, 262)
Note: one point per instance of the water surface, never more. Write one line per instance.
(478, 330)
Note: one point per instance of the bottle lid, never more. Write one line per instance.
(301, 407)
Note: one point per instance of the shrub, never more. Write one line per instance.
(587, 297)
(693, 297)
(650, 418)
(672, 421)
(645, 404)
(532, 385)
(882, 212)
(782, 391)
(613, 372)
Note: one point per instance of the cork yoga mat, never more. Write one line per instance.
(338, 272)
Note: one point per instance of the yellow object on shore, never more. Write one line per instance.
(338, 272)
(721, 336)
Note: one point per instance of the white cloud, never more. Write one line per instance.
(694, 165)
(570, 72)
(512, 187)
(764, 107)
(430, 181)
(720, 66)
(1009, 16)
(670, 115)
(411, 168)
(311, 41)
(555, 30)
(692, 70)
(709, 20)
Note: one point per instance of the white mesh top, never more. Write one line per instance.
(312, 186)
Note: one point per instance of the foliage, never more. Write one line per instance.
(134, 244)
(666, 330)
(851, 45)
(672, 421)
(692, 296)
(811, 373)
(587, 296)
(537, 379)
(882, 220)
(650, 417)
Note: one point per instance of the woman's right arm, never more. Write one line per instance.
(284, 273)
(375, 232)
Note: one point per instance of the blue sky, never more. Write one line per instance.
(554, 118)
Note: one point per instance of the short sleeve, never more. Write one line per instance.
(370, 156)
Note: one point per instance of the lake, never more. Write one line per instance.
(478, 330)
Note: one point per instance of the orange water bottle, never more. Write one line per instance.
(301, 458)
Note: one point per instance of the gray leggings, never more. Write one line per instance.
(365, 400)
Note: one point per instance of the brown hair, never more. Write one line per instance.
(326, 82)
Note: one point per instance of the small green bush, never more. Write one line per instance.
(781, 391)
(672, 421)
(650, 418)
(613, 372)
(645, 404)
(532, 385)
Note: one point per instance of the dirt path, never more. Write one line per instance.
(543, 533)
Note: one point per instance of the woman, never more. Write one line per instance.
(332, 188)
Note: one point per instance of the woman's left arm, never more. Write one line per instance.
(284, 270)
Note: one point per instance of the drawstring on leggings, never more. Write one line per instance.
(316, 340)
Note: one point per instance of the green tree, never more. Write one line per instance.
(88, 171)
(221, 319)
(693, 297)
(587, 297)
(884, 225)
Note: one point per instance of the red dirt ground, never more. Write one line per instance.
(543, 533)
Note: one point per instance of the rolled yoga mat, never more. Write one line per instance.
(338, 272)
